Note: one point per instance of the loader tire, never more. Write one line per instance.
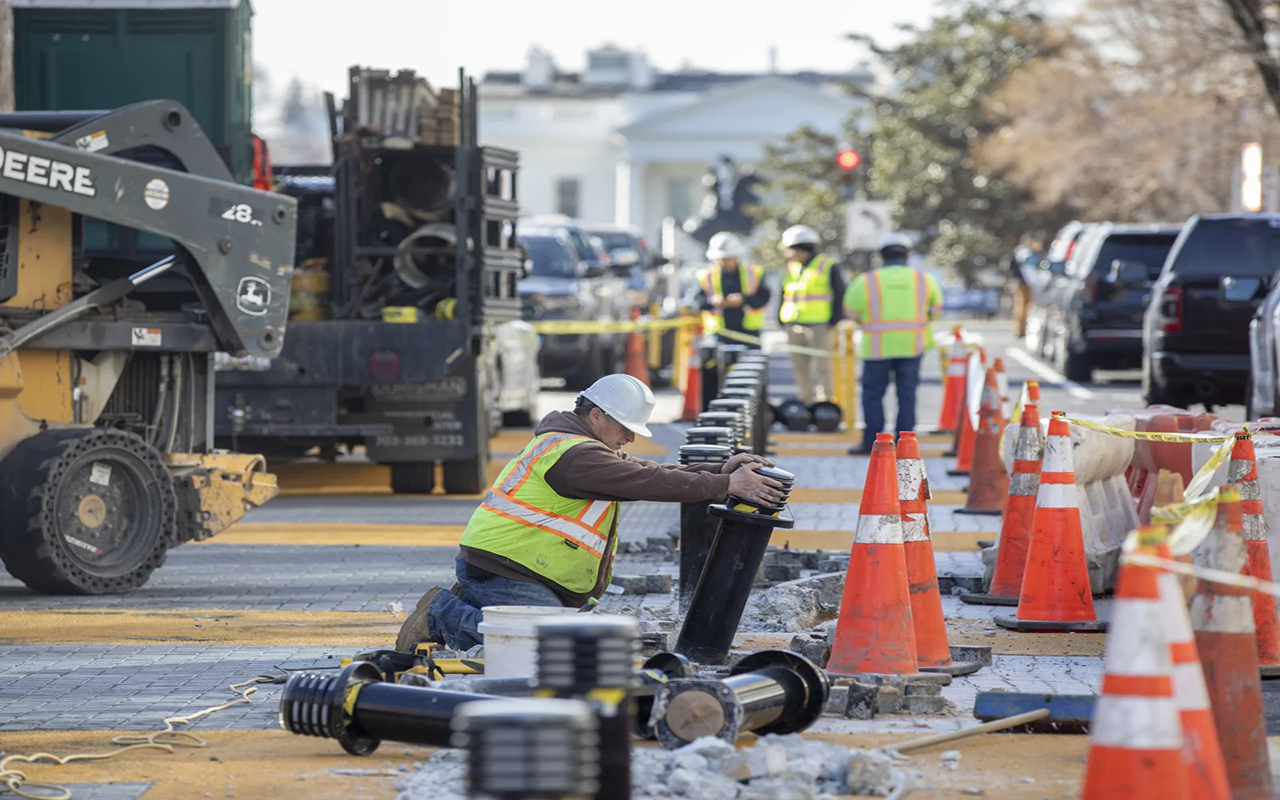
(85, 512)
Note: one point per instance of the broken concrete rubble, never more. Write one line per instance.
(795, 606)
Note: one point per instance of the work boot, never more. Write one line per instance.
(415, 629)
(863, 449)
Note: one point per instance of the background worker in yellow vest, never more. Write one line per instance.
(547, 530)
(893, 306)
(731, 295)
(812, 285)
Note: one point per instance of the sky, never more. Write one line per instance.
(436, 37)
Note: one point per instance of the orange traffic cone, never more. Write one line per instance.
(1002, 382)
(1055, 585)
(635, 365)
(954, 389)
(988, 478)
(1222, 617)
(1243, 473)
(1019, 514)
(875, 631)
(693, 387)
(967, 432)
(1135, 750)
(932, 649)
(1201, 750)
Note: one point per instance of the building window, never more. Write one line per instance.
(680, 198)
(568, 197)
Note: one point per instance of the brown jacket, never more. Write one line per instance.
(591, 471)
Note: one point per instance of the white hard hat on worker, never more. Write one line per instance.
(895, 241)
(799, 234)
(625, 399)
(724, 245)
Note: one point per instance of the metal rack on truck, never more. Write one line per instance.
(422, 269)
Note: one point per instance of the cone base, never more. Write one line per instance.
(950, 453)
(976, 599)
(956, 668)
(957, 473)
(1269, 672)
(995, 512)
(1051, 626)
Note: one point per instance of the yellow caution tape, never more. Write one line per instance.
(746, 338)
(573, 326)
(1146, 436)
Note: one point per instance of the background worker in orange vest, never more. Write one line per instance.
(732, 295)
(812, 286)
(893, 306)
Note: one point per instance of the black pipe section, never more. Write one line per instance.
(730, 570)
(772, 691)
(315, 704)
(516, 749)
(593, 660)
(655, 673)
(697, 528)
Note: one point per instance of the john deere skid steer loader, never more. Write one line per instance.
(107, 364)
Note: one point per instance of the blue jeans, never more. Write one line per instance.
(455, 619)
(875, 381)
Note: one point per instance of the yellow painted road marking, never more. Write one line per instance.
(941, 497)
(841, 541)
(352, 629)
(266, 763)
(305, 533)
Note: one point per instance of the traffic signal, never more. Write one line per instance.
(848, 159)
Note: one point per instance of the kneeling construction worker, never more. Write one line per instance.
(547, 530)
(893, 306)
(733, 295)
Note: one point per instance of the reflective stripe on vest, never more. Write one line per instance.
(807, 294)
(710, 281)
(876, 325)
(523, 519)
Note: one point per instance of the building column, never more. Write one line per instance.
(628, 193)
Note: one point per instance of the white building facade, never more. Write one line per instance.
(622, 144)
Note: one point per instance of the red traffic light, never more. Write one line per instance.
(848, 159)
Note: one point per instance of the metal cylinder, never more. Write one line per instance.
(772, 691)
(498, 687)
(594, 660)
(709, 435)
(361, 711)
(697, 528)
(655, 673)
(741, 407)
(730, 569)
(546, 749)
(723, 419)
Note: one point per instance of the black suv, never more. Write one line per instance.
(1196, 329)
(1093, 309)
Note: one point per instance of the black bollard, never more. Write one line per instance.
(772, 691)
(360, 710)
(742, 408)
(709, 435)
(593, 659)
(710, 354)
(517, 749)
(724, 419)
(697, 528)
(731, 568)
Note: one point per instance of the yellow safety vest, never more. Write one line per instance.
(523, 519)
(709, 280)
(895, 323)
(807, 293)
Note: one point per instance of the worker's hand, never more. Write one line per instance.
(754, 487)
(733, 301)
(717, 302)
(744, 458)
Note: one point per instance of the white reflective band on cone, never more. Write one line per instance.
(1136, 723)
(1144, 650)
(1057, 495)
(1024, 484)
(910, 478)
(1189, 687)
(1178, 625)
(1222, 613)
(1255, 528)
(913, 528)
(879, 529)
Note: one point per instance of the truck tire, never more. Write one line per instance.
(91, 511)
(465, 477)
(413, 477)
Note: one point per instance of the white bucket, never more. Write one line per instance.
(511, 638)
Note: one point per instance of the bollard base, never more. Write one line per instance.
(979, 599)
(958, 473)
(992, 512)
(1051, 626)
(1269, 672)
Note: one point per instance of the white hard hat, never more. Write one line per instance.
(724, 245)
(624, 398)
(799, 234)
(895, 239)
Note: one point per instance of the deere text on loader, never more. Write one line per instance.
(107, 365)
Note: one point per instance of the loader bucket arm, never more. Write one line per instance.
(237, 242)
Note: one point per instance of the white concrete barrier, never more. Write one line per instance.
(1107, 512)
(1267, 448)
